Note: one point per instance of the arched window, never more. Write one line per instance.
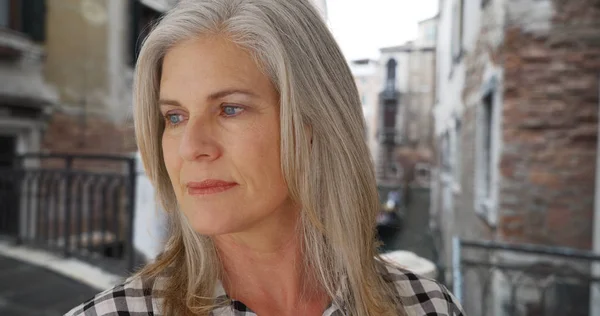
(391, 74)
(391, 69)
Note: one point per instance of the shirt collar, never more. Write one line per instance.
(221, 296)
(219, 293)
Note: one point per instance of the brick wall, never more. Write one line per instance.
(546, 56)
(550, 128)
(97, 135)
(84, 71)
(479, 60)
(484, 55)
(66, 134)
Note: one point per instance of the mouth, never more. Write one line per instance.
(210, 186)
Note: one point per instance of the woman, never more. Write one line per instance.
(250, 127)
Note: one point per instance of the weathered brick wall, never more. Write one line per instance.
(482, 57)
(67, 133)
(479, 60)
(467, 224)
(550, 126)
(84, 71)
(100, 136)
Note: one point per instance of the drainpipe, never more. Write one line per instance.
(594, 290)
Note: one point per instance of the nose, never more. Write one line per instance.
(199, 141)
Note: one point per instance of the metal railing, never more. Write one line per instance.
(491, 278)
(78, 205)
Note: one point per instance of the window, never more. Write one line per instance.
(487, 146)
(29, 19)
(457, 29)
(445, 155)
(457, 148)
(430, 33)
(8, 145)
(33, 19)
(391, 74)
(486, 166)
(142, 19)
(4, 13)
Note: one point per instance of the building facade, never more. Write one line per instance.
(66, 70)
(91, 47)
(26, 98)
(368, 83)
(91, 50)
(415, 82)
(516, 124)
(66, 73)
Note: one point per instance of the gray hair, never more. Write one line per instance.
(328, 169)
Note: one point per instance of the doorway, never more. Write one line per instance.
(9, 190)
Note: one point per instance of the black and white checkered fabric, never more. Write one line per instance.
(419, 296)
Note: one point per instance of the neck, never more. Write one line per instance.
(265, 266)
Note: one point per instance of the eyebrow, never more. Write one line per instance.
(213, 96)
(228, 92)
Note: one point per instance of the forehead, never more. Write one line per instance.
(209, 63)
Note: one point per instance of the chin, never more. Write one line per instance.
(211, 231)
(206, 229)
(212, 224)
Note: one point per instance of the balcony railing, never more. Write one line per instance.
(65, 205)
(491, 278)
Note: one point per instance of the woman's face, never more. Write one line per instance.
(221, 137)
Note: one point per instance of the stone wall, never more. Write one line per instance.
(77, 54)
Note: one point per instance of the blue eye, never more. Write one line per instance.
(232, 110)
(174, 119)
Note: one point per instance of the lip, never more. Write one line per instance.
(209, 186)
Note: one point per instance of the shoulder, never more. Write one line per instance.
(420, 295)
(134, 296)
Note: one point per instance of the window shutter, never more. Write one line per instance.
(135, 17)
(33, 19)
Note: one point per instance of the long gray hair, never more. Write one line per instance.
(328, 169)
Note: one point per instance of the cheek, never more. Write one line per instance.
(261, 157)
(171, 157)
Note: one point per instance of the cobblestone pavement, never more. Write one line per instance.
(28, 290)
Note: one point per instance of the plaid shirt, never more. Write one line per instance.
(134, 298)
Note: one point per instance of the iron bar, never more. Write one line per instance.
(91, 199)
(68, 157)
(38, 207)
(533, 249)
(78, 212)
(68, 206)
(131, 189)
(104, 213)
(59, 207)
(116, 207)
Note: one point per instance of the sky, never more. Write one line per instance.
(361, 27)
